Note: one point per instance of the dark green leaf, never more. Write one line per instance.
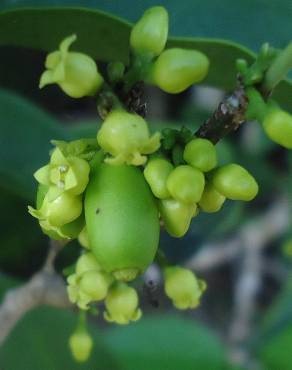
(107, 39)
(40, 341)
(25, 135)
(242, 21)
(166, 342)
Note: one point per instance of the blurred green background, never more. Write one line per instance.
(29, 118)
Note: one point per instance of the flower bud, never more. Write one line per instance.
(176, 216)
(122, 304)
(201, 154)
(95, 284)
(235, 182)
(149, 34)
(126, 137)
(177, 69)
(81, 345)
(156, 173)
(278, 127)
(75, 73)
(182, 287)
(186, 184)
(211, 200)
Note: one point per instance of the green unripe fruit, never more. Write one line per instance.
(201, 154)
(87, 262)
(235, 182)
(156, 173)
(176, 216)
(122, 305)
(182, 287)
(186, 184)
(122, 220)
(81, 345)
(177, 69)
(149, 34)
(211, 200)
(95, 284)
(278, 126)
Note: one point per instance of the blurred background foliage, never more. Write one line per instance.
(30, 118)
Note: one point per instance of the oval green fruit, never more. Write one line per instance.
(176, 216)
(186, 184)
(278, 127)
(156, 173)
(235, 182)
(121, 219)
(177, 69)
(201, 154)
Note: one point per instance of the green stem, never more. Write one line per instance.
(279, 69)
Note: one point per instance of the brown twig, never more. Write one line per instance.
(45, 287)
(228, 116)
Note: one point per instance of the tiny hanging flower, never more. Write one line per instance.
(75, 73)
(182, 287)
(64, 174)
(126, 137)
(80, 342)
(122, 304)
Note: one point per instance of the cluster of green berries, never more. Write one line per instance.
(113, 197)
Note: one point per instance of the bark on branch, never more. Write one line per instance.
(45, 287)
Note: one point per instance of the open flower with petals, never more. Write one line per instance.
(64, 174)
(122, 304)
(183, 287)
(75, 73)
(126, 137)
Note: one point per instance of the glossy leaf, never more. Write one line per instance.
(167, 342)
(41, 340)
(200, 18)
(106, 38)
(25, 134)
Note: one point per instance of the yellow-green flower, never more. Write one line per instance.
(122, 304)
(81, 345)
(75, 73)
(126, 137)
(64, 174)
(183, 287)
